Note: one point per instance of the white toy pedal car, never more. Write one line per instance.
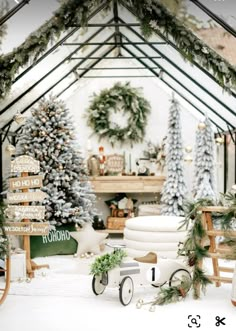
(131, 272)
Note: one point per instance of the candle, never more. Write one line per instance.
(130, 168)
(124, 167)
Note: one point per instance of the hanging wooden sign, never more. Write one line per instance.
(27, 228)
(25, 182)
(25, 163)
(26, 197)
(29, 212)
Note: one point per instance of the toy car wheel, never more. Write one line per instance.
(99, 283)
(126, 290)
(179, 276)
(159, 285)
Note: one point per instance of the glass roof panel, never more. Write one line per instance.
(26, 20)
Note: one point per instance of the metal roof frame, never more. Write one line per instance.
(116, 22)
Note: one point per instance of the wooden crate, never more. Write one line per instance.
(116, 223)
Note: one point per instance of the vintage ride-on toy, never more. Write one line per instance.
(131, 272)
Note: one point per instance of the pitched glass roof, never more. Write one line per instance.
(84, 55)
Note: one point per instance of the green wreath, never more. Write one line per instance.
(121, 97)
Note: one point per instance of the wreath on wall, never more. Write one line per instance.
(124, 98)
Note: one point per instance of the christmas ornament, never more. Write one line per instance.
(139, 303)
(19, 118)
(201, 126)
(75, 255)
(20, 280)
(188, 149)
(28, 280)
(233, 187)
(10, 149)
(188, 158)
(152, 308)
(219, 140)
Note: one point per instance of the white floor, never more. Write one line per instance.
(61, 298)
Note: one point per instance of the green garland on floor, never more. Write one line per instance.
(153, 17)
(172, 294)
(4, 243)
(119, 97)
(107, 262)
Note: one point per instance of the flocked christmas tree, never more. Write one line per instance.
(48, 136)
(174, 189)
(204, 174)
(4, 243)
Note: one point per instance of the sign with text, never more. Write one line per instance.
(25, 182)
(21, 212)
(27, 228)
(26, 197)
(25, 163)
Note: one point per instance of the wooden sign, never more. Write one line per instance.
(25, 163)
(25, 182)
(26, 197)
(29, 212)
(115, 164)
(26, 229)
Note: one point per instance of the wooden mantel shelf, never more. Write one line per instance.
(127, 184)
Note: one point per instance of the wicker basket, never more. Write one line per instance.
(116, 223)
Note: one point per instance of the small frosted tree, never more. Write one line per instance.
(174, 189)
(48, 136)
(204, 166)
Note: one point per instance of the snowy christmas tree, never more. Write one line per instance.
(48, 136)
(204, 174)
(174, 189)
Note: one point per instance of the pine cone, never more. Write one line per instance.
(182, 292)
(192, 260)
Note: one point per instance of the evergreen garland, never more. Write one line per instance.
(119, 97)
(153, 17)
(192, 247)
(107, 262)
(172, 294)
(4, 7)
(4, 243)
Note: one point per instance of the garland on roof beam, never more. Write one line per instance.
(153, 17)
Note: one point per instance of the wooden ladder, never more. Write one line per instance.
(216, 252)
